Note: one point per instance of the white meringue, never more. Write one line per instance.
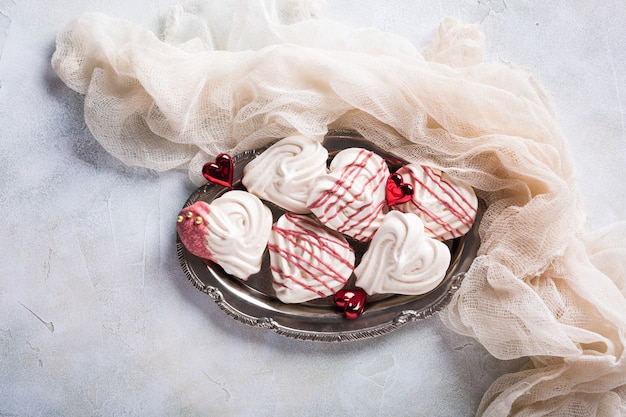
(447, 206)
(232, 231)
(351, 198)
(401, 259)
(283, 173)
(307, 260)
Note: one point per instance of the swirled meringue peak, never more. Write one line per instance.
(351, 198)
(307, 260)
(232, 231)
(447, 206)
(401, 259)
(283, 173)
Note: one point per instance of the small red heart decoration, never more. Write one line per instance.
(397, 191)
(219, 172)
(351, 302)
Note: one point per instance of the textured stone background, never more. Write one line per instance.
(96, 317)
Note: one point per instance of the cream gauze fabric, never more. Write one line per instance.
(229, 76)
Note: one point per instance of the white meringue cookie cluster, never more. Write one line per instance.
(310, 256)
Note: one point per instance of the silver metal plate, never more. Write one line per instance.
(253, 302)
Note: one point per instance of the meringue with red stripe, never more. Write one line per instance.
(232, 231)
(401, 259)
(446, 206)
(351, 198)
(307, 260)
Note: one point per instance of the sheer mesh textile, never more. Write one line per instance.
(230, 76)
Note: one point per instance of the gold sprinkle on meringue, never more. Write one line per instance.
(189, 215)
(179, 219)
(198, 220)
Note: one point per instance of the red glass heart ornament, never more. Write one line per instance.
(351, 302)
(354, 309)
(342, 297)
(220, 172)
(397, 191)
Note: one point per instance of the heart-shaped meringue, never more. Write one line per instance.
(351, 198)
(284, 172)
(232, 231)
(447, 206)
(401, 259)
(307, 260)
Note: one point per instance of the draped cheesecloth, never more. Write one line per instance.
(231, 76)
